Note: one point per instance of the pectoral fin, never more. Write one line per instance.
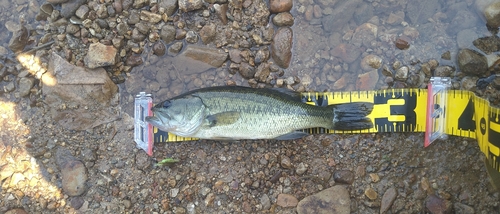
(292, 135)
(224, 118)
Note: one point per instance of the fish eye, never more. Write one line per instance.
(167, 104)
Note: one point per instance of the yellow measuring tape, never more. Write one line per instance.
(405, 110)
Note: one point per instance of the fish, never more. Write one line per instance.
(238, 113)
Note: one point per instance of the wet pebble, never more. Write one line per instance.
(367, 81)
(262, 72)
(167, 34)
(347, 52)
(472, 62)
(402, 43)
(133, 60)
(492, 14)
(281, 47)
(468, 83)
(343, 176)
(175, 48)
(437, 205)
(387, 199)
(402, 73)
(443, 71)
(100, 55)
(334, 198)
(364, 35)
(283, 19)
(370, 62)
(488, 44)
(278, 6)
(246, 71)
(286, 200)
(159, 49)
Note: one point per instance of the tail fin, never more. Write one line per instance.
(352, 116)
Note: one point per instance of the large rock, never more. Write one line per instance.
(492, 15)
(281, 47)
(69, 8)
(79, 98)
(334, 200)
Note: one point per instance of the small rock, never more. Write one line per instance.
(283, 19)
(167, 34)
(76, 202)
(347, 52)
(82, 12)
(402, 43)
(335, 199)
(370, 62)
(25, 85)
(443, 71)
(375, 178)
(492, 15)
(387, 199)
(221, 12)
(396, 18)
(370, 193)
(367, 81)
(100, 55)
(364, 35)
(190, 5)
(159, 49)
(446, 55)
(281, 47)
(343, 176)
(246, 70)
(469, 83)
(286, 162)
(402, 73)
(472, 62)
(69, 8)
(127, 204)
(19, 39)
(262, 72)
(286, 200)
(150, 17)
(175, 48)
(278, 6)
(169, 5)
(265, 202)
(134, 60)
(191, 37)
(211, 56)
(301, 169)
(436, 205)
(488, 44)
(207, 33)
(73, 173)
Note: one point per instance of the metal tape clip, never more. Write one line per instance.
(437, 97)
(143, 131)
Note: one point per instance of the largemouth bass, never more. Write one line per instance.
(234, 112)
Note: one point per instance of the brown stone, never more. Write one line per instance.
(287, 200)
(281, 47)
(278, 6)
